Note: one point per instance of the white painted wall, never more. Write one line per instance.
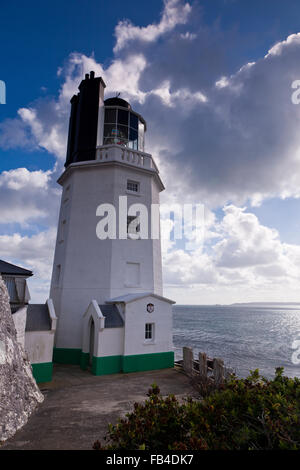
(39, 346)
(107, 341)
(111, 342)
(136, 316)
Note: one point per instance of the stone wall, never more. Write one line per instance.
(19, 393)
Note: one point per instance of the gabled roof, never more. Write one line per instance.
(127, 298)
(38, 318)
(112, 316)
(12, 269)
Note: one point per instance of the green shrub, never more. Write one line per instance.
(245, 414)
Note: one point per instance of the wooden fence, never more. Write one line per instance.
(204, 367)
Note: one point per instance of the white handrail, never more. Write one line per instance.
(119, 153)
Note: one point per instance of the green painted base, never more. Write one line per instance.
(84, 360)
(114, 364)
(66, 356)
(141, 362)
(106, 365)
(135, 363)
(42, 372)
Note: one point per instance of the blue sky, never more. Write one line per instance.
(226, 67)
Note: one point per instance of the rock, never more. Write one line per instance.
(19, 393)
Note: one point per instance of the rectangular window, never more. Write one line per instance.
(110, 116)
(134, 122)
(123, 116)
(63, 230)
(133, 186)
(149, 331)
(132, 275)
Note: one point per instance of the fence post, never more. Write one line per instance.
(203, 365)
(218, 371)
(188, 358)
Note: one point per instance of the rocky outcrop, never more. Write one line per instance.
(19, 393)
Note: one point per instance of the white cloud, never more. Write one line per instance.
(222, 82)
(14, 134)
(278, 48)
(35, 253)
(181, 97)
(246, 243)
(23, 178)
(27, 197)
(174, 13)
(247, 255)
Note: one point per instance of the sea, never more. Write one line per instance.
(246, 336)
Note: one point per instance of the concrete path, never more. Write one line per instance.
(78, 406)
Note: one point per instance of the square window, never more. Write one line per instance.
(133, 186)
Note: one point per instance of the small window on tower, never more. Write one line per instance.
(62, 231)
(57, 274)
(133, 186)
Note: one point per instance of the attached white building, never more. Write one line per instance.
(35, 323)
(107, 290)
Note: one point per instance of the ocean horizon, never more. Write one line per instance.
(247, 336)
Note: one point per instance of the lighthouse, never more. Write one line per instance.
(106, 281)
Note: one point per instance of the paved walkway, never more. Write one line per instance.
(78, 406)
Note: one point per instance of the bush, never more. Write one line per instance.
(245, 414)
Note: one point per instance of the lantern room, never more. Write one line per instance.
(95, 122)
(123, 126)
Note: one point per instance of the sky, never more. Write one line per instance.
(213, 79)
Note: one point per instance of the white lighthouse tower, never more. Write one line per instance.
(107, 276)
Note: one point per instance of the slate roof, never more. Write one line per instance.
(37, 318)
(8, 268)
(112, 316)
